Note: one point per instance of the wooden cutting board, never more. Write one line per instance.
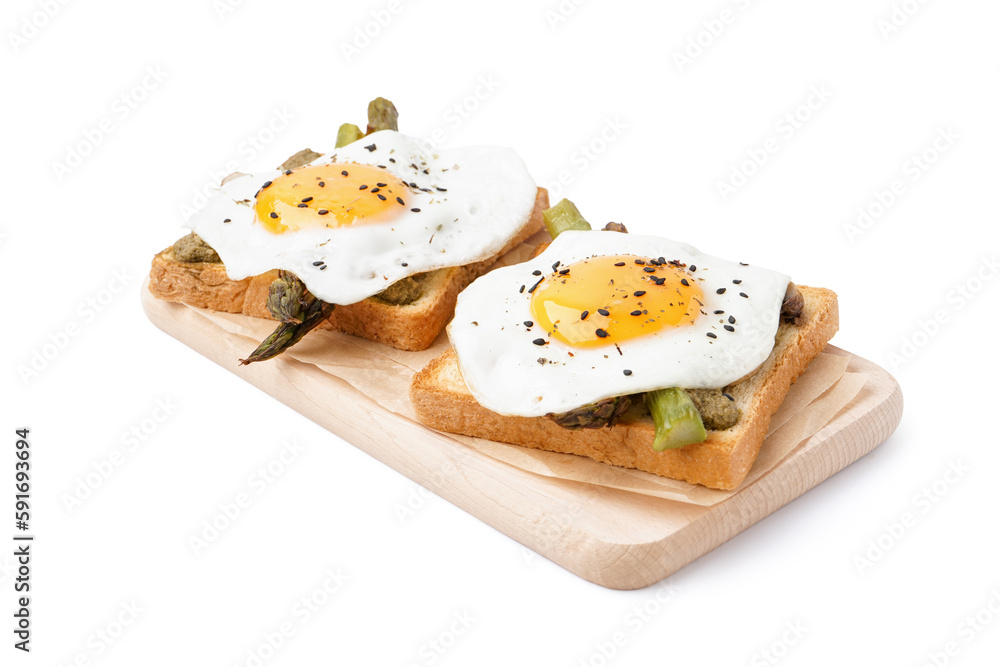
(613, 538)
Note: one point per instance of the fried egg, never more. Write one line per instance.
(354, 221)
(601, 314)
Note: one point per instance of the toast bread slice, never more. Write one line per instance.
(412, 326)
(442, 401)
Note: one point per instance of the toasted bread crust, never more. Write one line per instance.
(442, 401)
(412, 326)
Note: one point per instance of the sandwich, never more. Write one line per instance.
(374, 237)
(635, 351)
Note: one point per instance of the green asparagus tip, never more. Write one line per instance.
(348, 134)
(563, 216)
(382, 115)
(676, 418)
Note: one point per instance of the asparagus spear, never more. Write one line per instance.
(595, 415)
(348, 134)
(382, 115)
(299, 312)
(677, 420)
(564, 215)
(285, 298)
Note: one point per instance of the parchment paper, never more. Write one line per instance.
(383, 374)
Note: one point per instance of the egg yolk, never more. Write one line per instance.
(330, 195)
(612, 299)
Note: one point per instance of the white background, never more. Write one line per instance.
(662, 135)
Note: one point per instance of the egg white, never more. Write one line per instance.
(510, 375)
(488, 195)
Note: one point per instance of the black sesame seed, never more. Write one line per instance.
(584, 314)
(601, 333)
(400, 200)
(719, 312)
(382, 197)
(729, 327)
(321, 184)
(539, 341)
(273, 214)
(374, 190)
(319, 262)
(744, 295)
(660, 281)
(404, 264)
(415, 210)
(564, 272)
(228, 220)
(711, 335)
(362, 187)
(639, 293)
(692, 268)
(636, 312)
(440, 189)
(288, 172)
(521, 291)
(737, 282)
(619, 263)
(536, 272)
(322, 211)
(742, 264)
(556, 265)
(649, 269)
(732, 320)
(370, 147)
(661, 260)
(685, 282)
(529, 323)
(323, 268)
(728, 396)
(721, 290)
(381, 185)
(307, 199)
(535, 286)
(343, 173)
(602, 311)
(303, 205)
(639, 262)
(627, 372)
